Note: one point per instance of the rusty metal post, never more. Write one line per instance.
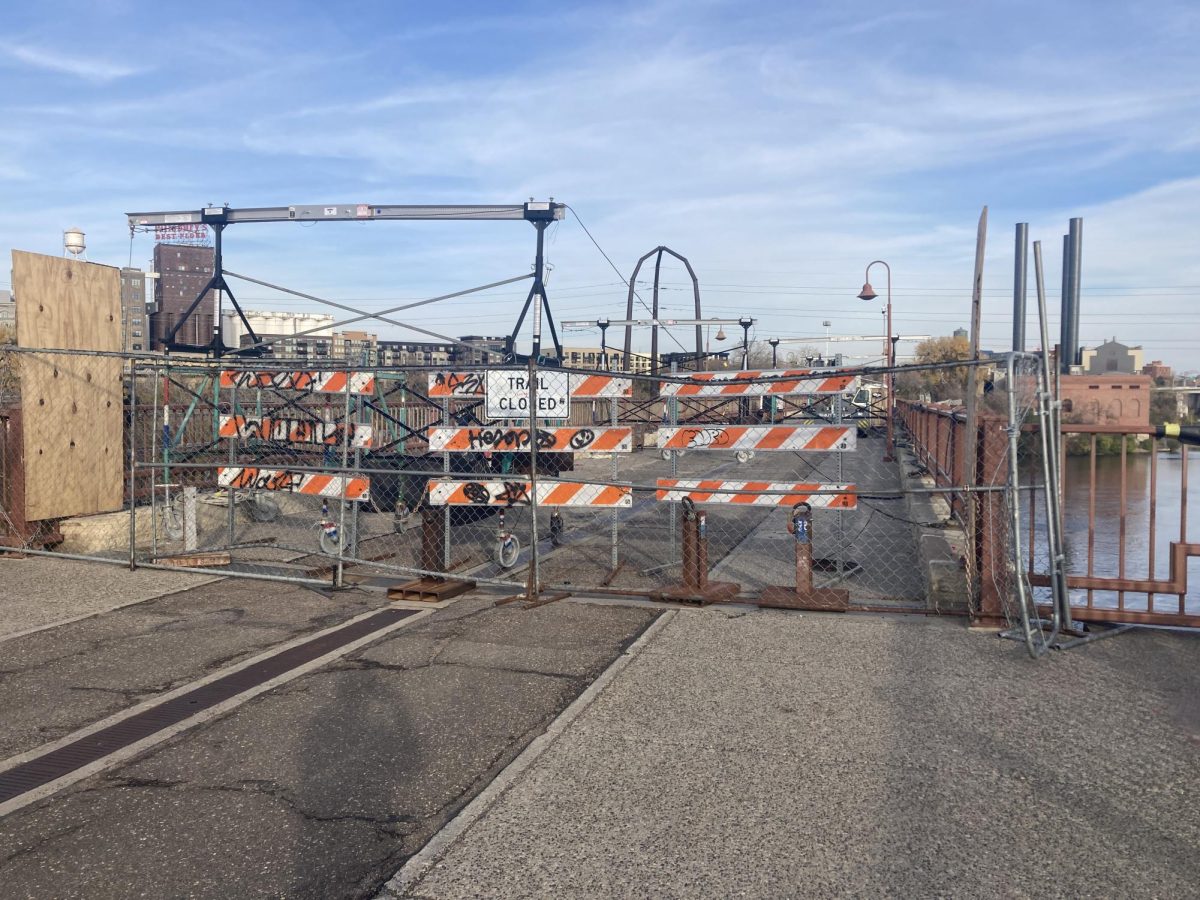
(801, 531)
(433, 533)
(696, 587)
(804, 595)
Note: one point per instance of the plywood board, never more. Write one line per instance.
(66, 303)
(72, 404)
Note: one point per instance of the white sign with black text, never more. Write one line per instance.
(508, 394)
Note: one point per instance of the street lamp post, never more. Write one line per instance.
(746, 323)
(889, 350)
(774, 342)
(603, 323)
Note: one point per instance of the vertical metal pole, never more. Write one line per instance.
(233, 449)
(343, 538)
(539, 288)
(131, 426)
(218, 264)
(1076, 236)
(445, 563)
(1020, 280)
(612, 419)
(534, 584)
(673, 419)
(1050, 462)
(971, 448)
(1066, 353)
(1012, 493)
(654, 316)
(154, 473)
(889, 354)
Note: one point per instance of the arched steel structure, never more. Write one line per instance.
(659, 251)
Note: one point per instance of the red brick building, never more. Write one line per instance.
(1106, 399)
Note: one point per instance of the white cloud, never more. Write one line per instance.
(87, 68)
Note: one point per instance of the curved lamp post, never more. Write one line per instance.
(868, 293)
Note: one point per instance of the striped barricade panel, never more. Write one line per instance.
(309, 382)
(757, 493)
(295, 431)
(758, 437)
(516, 493)
(596, 387)
(244, 477)
(560, 440)
(746, 384)
(457, 384)
(581, 386)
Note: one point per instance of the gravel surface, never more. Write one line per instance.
(777, 754)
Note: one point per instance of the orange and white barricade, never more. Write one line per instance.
(757, 493)
(309, 382)
(457, 384)
(599, 387)
(517, 493)
(580, 386)
(758, 437)
(764, 383)
(295, 431)
(336, 486)
(566, 439)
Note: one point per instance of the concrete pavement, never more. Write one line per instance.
(321, 787)
(775, 754)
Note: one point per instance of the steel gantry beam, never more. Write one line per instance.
(540, 214)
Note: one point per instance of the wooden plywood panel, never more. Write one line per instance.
(66, 303)
(71, 403)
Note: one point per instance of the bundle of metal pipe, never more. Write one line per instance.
(1185, 434)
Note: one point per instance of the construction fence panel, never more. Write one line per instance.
(582, 480)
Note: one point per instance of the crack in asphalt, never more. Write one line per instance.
(386, 826)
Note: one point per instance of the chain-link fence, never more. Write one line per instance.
(787, 487)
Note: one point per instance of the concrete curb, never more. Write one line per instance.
(439, 845)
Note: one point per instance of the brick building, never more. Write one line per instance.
(183, 271)
(1106, 400)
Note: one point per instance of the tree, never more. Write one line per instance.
(940, 384)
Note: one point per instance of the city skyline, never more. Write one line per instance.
(779, 149)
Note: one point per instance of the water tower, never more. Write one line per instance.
(73, 242)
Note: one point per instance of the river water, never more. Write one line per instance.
(1107, 535)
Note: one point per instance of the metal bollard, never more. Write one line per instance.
(800, 528)
(696, 587)
(432, 588)
(433, 535)
(804, 595)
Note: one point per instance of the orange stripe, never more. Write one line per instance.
(356, 488)
(592, 384)
(825, 438)
(317, 484)
(699, 494)
(610, 496)
(561, 493)
(775, 438)
(458, 440)
(750, 486)
(336, 383)
(609, 439)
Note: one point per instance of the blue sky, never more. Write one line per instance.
(779, 146)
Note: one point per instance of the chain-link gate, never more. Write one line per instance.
(774, 486)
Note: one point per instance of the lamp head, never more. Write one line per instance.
(720, 334)
(868, 292)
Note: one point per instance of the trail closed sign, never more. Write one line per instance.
(508, 395)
